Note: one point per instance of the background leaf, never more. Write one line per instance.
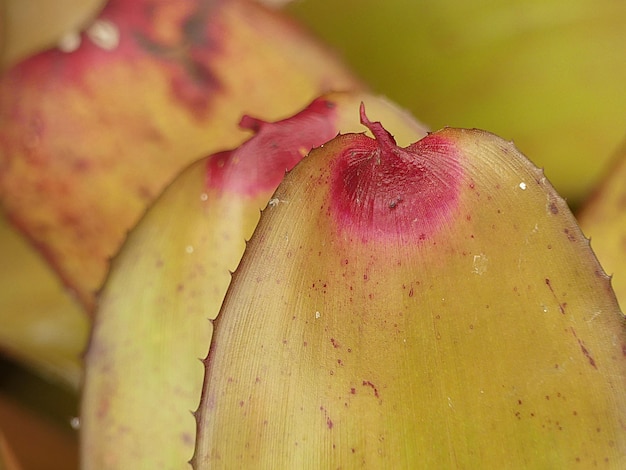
(89, 138)
(30, 26)
(548, 74)
(42, 326)
(603, 218)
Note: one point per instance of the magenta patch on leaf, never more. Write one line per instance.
(131, 35)
(381, 190)
(260, 163)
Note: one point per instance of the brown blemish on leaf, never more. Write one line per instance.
(570, 236)
(367, 383)
(192, 80)
(187, 438)
(554, 208)
(561, 305)
(584, 350)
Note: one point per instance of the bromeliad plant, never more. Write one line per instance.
(408, 299)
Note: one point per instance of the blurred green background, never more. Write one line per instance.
(547, 74)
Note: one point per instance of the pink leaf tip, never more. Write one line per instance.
(382, 135)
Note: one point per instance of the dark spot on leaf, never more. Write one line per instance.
(367, 383)
(584, 350)
(553, 208)
(570, 236)
(561, 305)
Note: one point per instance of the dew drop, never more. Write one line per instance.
(479, 264)
(104, 34)
(69, 42)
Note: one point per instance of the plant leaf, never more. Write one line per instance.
(42, 326)
(143, 373)
(34, 25)
(89, 138)
(603, 218)
(548, 74)
(435, 306)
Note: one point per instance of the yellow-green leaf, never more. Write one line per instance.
(42, 325)
(30, 26)
(143, 368)
(429, 307)
(88, 138)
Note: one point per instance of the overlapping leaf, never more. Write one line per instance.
(603, 218)
(88, 138)
(548, 74)
(432, 307)
(143, 368)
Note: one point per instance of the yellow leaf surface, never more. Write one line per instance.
(42, 326)
(30, 26)
(88, 138)
(429, 307)
(143, 368)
